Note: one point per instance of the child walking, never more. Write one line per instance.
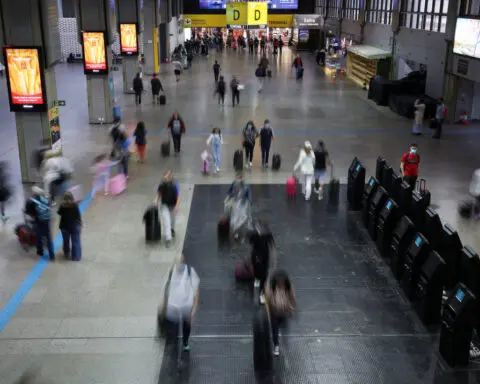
(140, 140)
(215, 142)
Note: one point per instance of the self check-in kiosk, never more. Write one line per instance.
(356, 187)
(458, 320)
(417, 210)
(376, 204)
(404, 199)
(415, 257)
(469, 274)
(433, 230)
(387, 178)
(395, 187)
(379, 169)
(368, 193)
(387, 219)
(401, 239)
(450, 251)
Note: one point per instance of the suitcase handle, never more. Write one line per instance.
(422, 185)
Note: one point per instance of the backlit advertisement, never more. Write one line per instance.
(94, 53)
(26, 86)
(272, 4)
(128, 39)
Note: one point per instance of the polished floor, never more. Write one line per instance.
(94, 321)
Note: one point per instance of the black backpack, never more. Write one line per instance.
(221, 87)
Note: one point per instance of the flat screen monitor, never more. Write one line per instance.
(467, 37)
(128, 39)
(94, 53)
(372, 181)
(25, 79)
(272, 4)
(460, 295)
(389, 204)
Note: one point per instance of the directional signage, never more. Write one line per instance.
(257, 15)
(237, 15)
(59, 103)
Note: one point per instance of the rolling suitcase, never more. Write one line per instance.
(118, 184)
(262, 346)
(276, 161)
(422, 189)
(244, 271)
(223, 229)
(165, 148)
(238, 160)
(333, 190)
(291, 187)
(152, 225)
(162, 99)
(269, 73)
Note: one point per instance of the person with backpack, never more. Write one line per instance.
(138, 89)
(266, 138)
(141, 140)
(410, 165)
(168, 196)
(249, 136)
(263, 249)
(260, 73)
(176, 127)
(298, 65)
(220, 90)
(38, 206)
(216, 70)
(156, 88)
(320, 174)
(235, 91)
(280, 44)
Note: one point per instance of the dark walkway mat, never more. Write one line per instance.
(353, 325)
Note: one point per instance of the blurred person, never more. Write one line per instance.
(57, 173)
(321, 161)
(440, 113)
(5, 190)
(216, 70)
(121, 152)
(280, 303)
(410, 166)
(249, 137)
(419, 113)
(280, 44)
(298, 65)
(238, 205)
(168, 195)
(70, 227)
(156, 88)
(140, 140)
(102, 168)
(177, 69)
(266, 138)
(176, 126)
(264, 63)
(263, 250)
(260, 74)
(215, 142)
(220, 89)
(138, 88)
(39, 208)
(234, 87)
(306, 164)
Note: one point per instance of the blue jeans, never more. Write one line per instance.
(74, 238)
(216, 155)
(124, 165)
(265, 154)
(42, 232)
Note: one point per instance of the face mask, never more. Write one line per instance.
(249, 126)
(413, 150)
(267, 125)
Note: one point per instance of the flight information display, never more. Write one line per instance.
(272, 4)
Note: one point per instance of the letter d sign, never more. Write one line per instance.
(257, 15)
(236, 14)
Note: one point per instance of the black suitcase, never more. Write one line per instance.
(162, 99)
(238, 160)
(262, 346)
(333, 190)
(269, 73)
(152, 225)
(422, 189)
(166, 148)
(276, 161)
(223, 229)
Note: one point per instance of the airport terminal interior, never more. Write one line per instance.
(95, 321)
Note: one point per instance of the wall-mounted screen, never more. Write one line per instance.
(272, 4)
(467, 37)
(94, 53)
(128, 39)
(25, 79)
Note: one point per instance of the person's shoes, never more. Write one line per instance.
(307, 198)
(186, 348)
(66, 256)
(276, 350)
(52, 258)
(320, 194)
(266, 165)
(217, 170)
(54, 203)
(256, 283)
(262, 298)
(173, 233)
(250, 164)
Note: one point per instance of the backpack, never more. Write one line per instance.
(221, 87)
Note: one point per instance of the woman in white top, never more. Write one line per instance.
(419, 115)
(306, 164)
(215, 141)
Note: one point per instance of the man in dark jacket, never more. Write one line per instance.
(216, 70)
(156, 88)
(39, 207)
(221, 89)
(138, 89)
(235, 91)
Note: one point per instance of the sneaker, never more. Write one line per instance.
(276, 350)
(186, 348)
(262, 298)
(250, 164)
(307, 198)
(256, 283)
(320, 194)
(217, 170)
(173, 233)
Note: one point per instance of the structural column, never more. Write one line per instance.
(163, 32)
(35, 26)
(151, 46)
(96, 16)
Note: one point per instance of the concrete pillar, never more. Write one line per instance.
(34, 26)
(151, 47)
(163, 33)
(96, 15)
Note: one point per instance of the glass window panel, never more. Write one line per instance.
(430, 6)
(428, 22)
(443, 24)
(420, 21)
(436, 6)
(414, 21)
(445, 7)
(436, 23)
(408, 20)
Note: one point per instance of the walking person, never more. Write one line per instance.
(216, 70)
(266, 138)
(306, 164)
(220, 89)
(439, 117)
(39, 207)
(280, 303)
(321, 161)
(169, 198)
(234, 86)
(156, 88)
(280, 44)
(419, 114)
(140, 140)
(249, 136)
(176, 127)
(5, 190)
(138, 88)
(177, 69)
(263, 251)
(70, 226)
(260, 73)
(215, 142)
(102, 168)
(410, 166)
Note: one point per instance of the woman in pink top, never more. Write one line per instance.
(102, 167)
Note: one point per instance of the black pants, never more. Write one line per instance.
(265, 154)
(250, 48)
(235, 95)
(171, 341)
(249, 147)
(221, 98)
(411, 180)
(177, 141)
(138, 98)
(260, 268)
(438, 129)
(280, 49)
(2, 208)
(275, 50)
(216, 74)
(276, 322)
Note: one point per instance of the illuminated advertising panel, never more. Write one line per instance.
(94, 53)
(25, 79)
(128, 39)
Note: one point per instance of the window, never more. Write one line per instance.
(333, 9)
(429, 15)
(320, 7)
(352, 9)
(380, 11)
(470, 8)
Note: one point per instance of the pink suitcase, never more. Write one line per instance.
(244, 271)
(206, 167)
(291, 187)
(118, 184)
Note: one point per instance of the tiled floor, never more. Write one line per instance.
(94, 321)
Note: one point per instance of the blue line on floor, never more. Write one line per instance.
(17, 299)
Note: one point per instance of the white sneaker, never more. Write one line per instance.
(320, 194)
(256, 283)
(217, 170)
(276, 350)
(250, 164)
(262, 298)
